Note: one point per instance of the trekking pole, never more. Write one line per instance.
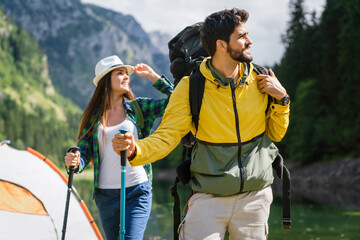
(71, 174)
(123, 191)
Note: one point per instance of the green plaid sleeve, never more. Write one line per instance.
(155, 108)
(85, 147)
(85, 152)
(164, 86)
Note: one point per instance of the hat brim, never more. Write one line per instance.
(100, 76)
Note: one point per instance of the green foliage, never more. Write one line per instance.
(303, 129)
(349, 72)
(300, 43)
(321, 72)
(32, 113)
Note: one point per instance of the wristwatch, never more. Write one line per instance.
(284, 101)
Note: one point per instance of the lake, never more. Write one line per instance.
(310, 220)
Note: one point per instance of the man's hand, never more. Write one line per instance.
(122, 142)
(271, 85)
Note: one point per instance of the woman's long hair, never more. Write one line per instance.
(98, 106)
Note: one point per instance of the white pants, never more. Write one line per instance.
(245, 216)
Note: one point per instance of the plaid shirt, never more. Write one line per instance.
(151, 108)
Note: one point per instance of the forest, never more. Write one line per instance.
(320, 70)
(32, 112)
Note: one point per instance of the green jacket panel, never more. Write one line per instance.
(216, 170)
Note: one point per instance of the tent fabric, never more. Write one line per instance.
(15, 226)
(34, 176)
(15, 198)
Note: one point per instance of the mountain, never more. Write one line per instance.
(74, 36)
(160, 40)
(32, 112)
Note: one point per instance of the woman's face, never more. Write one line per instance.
(120, 81)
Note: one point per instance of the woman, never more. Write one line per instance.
(108, 111)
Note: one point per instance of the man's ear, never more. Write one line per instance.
(221, 45)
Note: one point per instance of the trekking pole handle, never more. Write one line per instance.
(123, 153)
(71, 169)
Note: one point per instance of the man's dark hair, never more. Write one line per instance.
(220, 25)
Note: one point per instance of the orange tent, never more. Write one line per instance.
(32, 199)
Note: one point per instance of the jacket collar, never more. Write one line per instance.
(214, 75)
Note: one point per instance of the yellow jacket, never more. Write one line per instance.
(217, 125)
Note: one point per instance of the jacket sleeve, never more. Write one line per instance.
(85, 152)
(164, 86)
(277, 121)
(176, 123)
(154, 108)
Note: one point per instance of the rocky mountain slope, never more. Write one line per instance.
(32, 112)
(75, 36)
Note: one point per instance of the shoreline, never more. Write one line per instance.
(336, 182)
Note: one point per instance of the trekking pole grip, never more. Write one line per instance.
(72, 168)
(123, 153)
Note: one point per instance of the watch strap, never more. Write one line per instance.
(284, 101)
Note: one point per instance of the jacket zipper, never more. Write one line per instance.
(238, 136)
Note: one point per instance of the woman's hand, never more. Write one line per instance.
(122, 142)
(143, 70)
(72, 159)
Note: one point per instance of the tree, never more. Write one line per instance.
(321, 72)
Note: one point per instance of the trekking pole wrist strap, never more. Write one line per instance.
(133, 154)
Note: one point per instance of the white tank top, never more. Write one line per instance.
(110, 168)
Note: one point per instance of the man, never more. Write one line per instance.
(231, 166)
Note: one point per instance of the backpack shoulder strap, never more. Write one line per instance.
(284, 174)
(196, 93)
(136, 107)
(260, 70)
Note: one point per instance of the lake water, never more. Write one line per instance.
(310, 221)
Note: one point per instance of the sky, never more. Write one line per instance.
(267, 22)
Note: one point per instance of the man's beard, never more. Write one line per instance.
(239, 55)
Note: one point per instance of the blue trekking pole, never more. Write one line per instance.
(123, 192)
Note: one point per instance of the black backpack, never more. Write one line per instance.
(186, 54)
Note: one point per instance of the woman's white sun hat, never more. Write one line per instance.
(108, 64)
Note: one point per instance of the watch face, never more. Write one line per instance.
(285, 100)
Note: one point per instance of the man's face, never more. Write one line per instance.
(239, 45)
